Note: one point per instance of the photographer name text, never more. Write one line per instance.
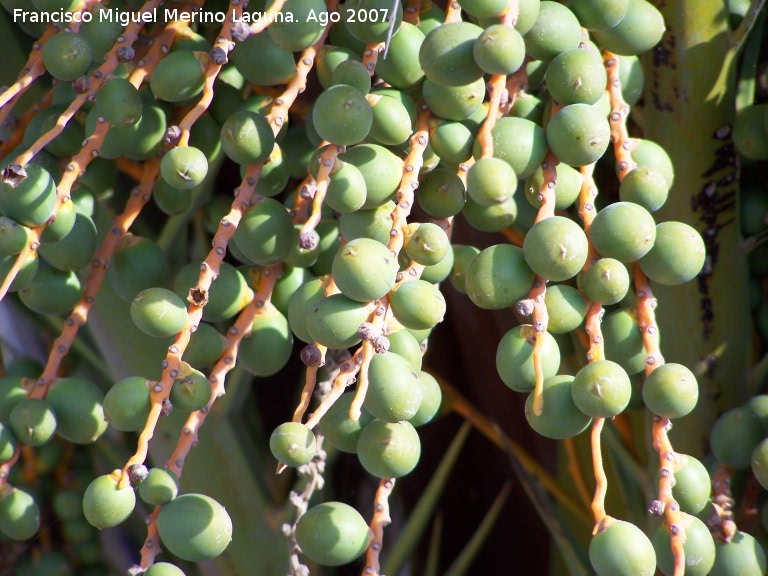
(125, 17)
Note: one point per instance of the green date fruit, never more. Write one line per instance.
(699, 548)
(394, 392)
(337, 427)
(158, 312)
(389, 449)
(67, 56)
(601, 389)
(514, 358)
(105, 504)
(622, 549)
(19, 515)
(159, 487)
(293, 444)
(555, 248)
(190, 393)
(78, 405)
(194, 527)
(127, 404)
(560, 417)
(33, 421)
(332, 534)
(364, 270)
(164, 569)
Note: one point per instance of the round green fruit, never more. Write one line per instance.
(447, 57)
(158, 312)
(431, 398)
(606, 282)
(428, 245)
(578, 134)
(19, 515)
(347, 191)
(566, 308)
(191, 393)
(742, 556)
(184, 167)
(500, 49)
(519, 142)
(555, 248)
(389, 449)
(374, 26)
(364, 270)
(418, 305)
(268, 347)
(567, 187)
(127, 404)
(261, 61)
(498, 277)
(13, 236)
(391, 124)
(555, 30)
(401, 68)
(137, 264)
(441, 193)
(8, 443)
(454, 102)
(105, 504)
(622, 549)
(11, 393)
(692, 487)
(623, 340)
(293, 444)
(304, 30)
(576, 77)
(514, 358)
(78, 405)
(699, 548)
(338, 429)
(599, 14)
(247, 137)
(265, 234)
(159, 487)
(342, 116)
(27, 195)
(394, 392)
(491, 181)
(194, 527)
(67, 56)
(332, 534)
(637, 32)
(164, 569)
(560, 417)
(226, 297)
(179, 76)
(76, 249)
(33, 421)
(375, 223)
(352, 73)
(734, 436)
(119, 102)
(677, 255)
(623, 231)
(51, 292)
(644, 186)
(671, 391)
(601, 389)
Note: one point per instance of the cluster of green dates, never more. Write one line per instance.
(738, 442)
(192, 527)
(371, 115)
